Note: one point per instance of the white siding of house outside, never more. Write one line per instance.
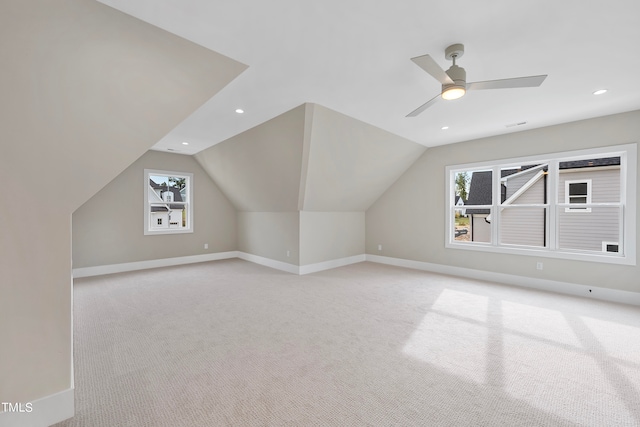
(524, 226)
(175, 220)
(480, 229)
(159, 215)
(587, 230)
(514, 183)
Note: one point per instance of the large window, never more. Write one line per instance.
(168, 202)
(576, 205)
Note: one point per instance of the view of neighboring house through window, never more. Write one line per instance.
(168, 207)
(572, 205)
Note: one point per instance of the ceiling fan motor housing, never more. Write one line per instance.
(459, 77)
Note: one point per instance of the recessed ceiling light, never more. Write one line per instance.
(239, 110)
(185, 143)
(600, 92)
(444, 127)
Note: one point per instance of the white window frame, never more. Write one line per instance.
(148, 230)
(567, 196)
(628, 192)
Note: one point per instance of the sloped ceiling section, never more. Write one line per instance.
(259, 169)
(351, 163)
(85, 90)
(97, 88)
(310, 158)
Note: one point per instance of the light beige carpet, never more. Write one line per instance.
(234, 343)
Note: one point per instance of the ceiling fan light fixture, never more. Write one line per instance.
(451, 92)
(454, 80)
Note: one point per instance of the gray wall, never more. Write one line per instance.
(325, 236)
(302, 181)
(259, 170)
(409, 219)
(86, 90)
(350, 163)
(108, 228)
(270, 235)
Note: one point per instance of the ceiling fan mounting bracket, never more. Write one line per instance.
(454, 51)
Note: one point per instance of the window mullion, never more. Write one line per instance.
(552, 197)
(495, 206)
(623, 205)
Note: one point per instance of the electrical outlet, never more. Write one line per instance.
(539, 265)
(379, 247)
(288, 253)
(206, 246)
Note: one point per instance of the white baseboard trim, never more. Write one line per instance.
(268, 262)
(303, 269)
(45, 412)
(334, 263)
(167, 262)
(154, 263)
(605, 294)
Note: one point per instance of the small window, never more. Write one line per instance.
(576, 193)
(168, 202)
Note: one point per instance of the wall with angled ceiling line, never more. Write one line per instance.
(302, 181)
(409, 219)
(109, 229)
(86, 90)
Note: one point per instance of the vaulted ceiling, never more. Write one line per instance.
(354, 57)
(310, 158)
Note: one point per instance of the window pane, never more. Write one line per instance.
(588, 230)
(580, 199)
(168, 216)
(578, 188)
(473, 200)
(602, 173)
(523, 226)
(480, 192)
(480, 227)
(475, 227)
(461, 181)
(524, 184)
(461, 231)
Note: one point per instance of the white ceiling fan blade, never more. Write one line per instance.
(424, 106)
(427, 63)
(530, 81)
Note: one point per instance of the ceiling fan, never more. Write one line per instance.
(454, 80)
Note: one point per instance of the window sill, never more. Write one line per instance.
(533, 252)
(156, 232)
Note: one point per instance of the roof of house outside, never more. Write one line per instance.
(479, 191)
(177, 196)
(164, 208)
(590, 163)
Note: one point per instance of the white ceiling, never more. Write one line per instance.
(354, 57)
